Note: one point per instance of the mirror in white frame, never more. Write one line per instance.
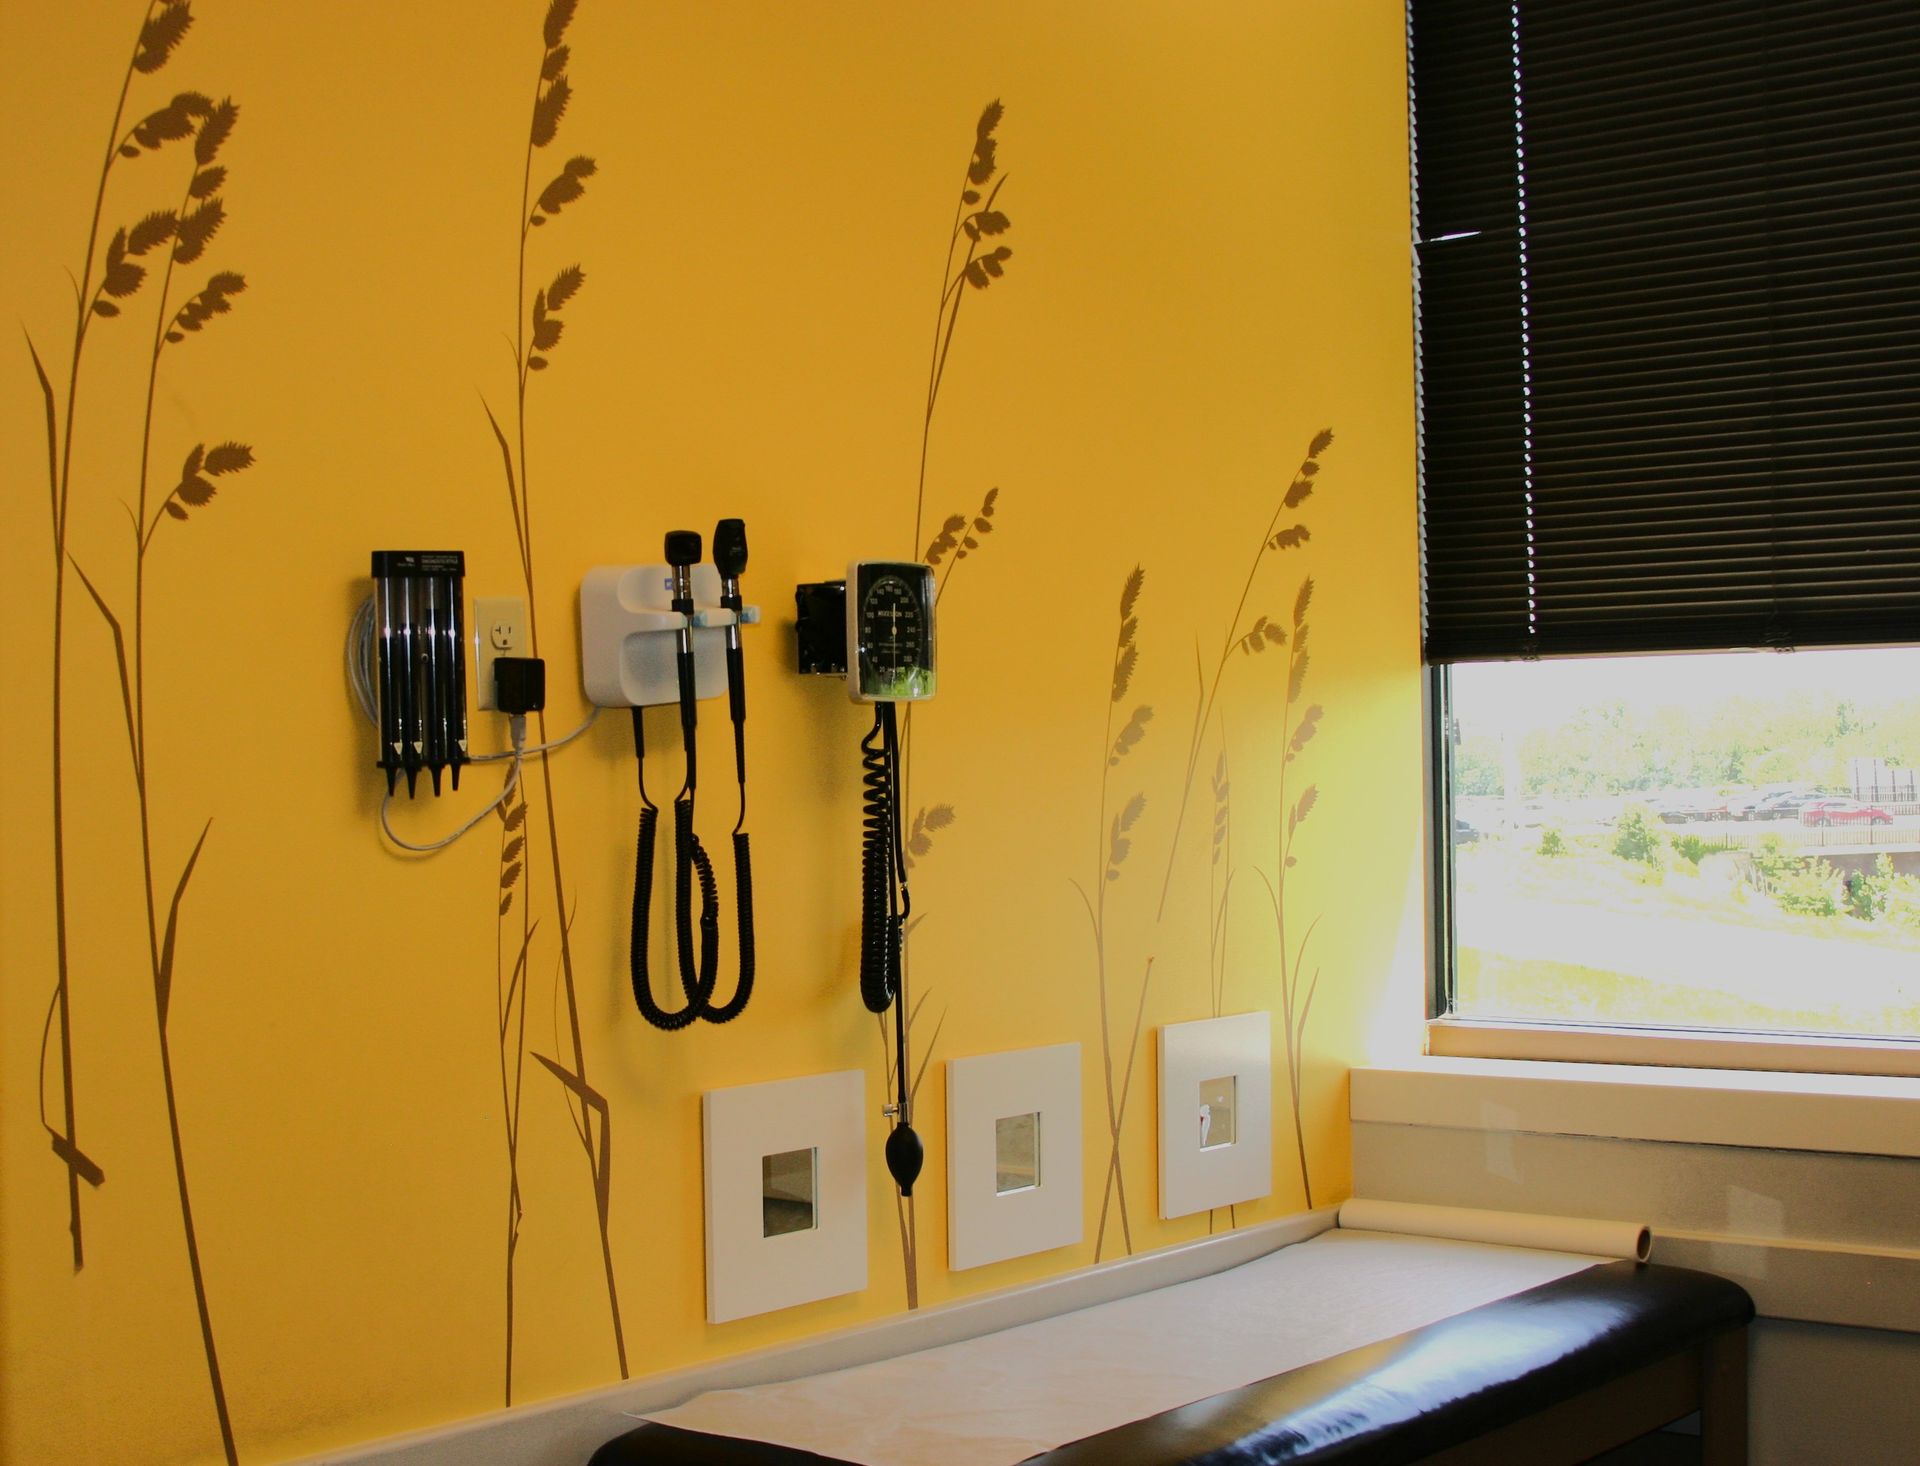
(1013, 1154)
(786, 1193)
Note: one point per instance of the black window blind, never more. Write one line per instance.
(1668, 258)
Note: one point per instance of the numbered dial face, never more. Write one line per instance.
(895, 635)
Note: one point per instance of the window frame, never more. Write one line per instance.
(1451, 1036)
(1446, 1033)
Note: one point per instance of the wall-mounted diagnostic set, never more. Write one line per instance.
(875, 629)
(657, 634)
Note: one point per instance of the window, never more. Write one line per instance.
(1669, 333)
(1721, 841)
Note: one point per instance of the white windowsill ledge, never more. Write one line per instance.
(1840, 1113)
(1671, 1048)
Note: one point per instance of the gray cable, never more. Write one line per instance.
(517, 724)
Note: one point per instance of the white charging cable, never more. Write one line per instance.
(360, 678)
(517, 729)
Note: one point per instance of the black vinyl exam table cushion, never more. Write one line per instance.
(1397, 1400)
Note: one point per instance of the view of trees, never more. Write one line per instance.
(1620, 748)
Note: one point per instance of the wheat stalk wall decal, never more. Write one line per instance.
(974, 266)
(185, 232)
(163, 25)
(1220, 877)
(975, 220)
(960, 537)
(1220, 896)
(1295, 1007)
(1255, 638)
(510, 984)
(538, 329)
(1252, 638)
(905, 1218)
(1116, 844)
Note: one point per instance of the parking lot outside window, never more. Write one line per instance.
(1719, 842)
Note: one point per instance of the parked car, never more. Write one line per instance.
(1679, 806)
(1843, 812)
(1783, 806)
(1465, 832)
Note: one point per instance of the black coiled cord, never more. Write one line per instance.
(885, 906)
(743, 899)
(879, 923)
(638, 932)
(697, 982)
(689, 859)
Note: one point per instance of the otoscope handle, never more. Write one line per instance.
(736, 679)
(683, 553)
(730, 559)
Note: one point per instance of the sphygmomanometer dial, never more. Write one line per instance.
(894, 629)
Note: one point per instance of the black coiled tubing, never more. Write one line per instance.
(882, 864)
(697, 979)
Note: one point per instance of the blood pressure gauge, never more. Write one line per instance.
(889, 631)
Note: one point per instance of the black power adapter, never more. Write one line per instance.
(519, 684)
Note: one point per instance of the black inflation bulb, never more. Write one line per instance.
(905, 1156)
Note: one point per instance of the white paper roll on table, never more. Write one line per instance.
(1503, 1228)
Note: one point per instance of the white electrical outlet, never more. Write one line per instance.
(499, 630)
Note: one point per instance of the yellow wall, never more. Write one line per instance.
(1209, 267)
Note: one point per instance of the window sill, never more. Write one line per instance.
(1837, 1113)
(1463, 1038)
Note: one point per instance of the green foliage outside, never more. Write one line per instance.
(1884, 896)
(1810, 890)
(1772, 859)
(1552, 842)
(1691, 848)
(1802, 885)
(1493, 984)
(1637, 836)
(1621, 747)
(1476, 767)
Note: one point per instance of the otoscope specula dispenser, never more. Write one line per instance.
(420, 682)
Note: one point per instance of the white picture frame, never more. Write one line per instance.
(1232, 1059)
(993, 1215)
(749, 1271)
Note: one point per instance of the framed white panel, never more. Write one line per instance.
(1216, 1112)
(786, 1193)
(1013, 1154)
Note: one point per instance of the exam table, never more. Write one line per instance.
(1598, 1355)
